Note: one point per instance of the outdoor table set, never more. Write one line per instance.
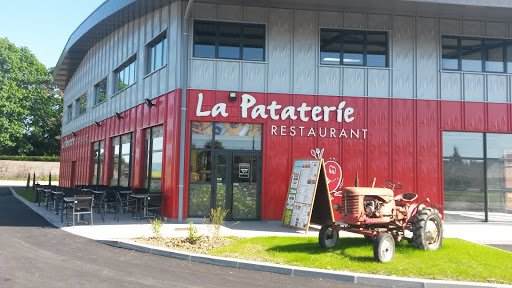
(84, 199)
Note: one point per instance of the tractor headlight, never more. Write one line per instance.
(336, 206)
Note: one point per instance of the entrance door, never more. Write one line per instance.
(237, 184)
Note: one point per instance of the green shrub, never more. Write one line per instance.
(31, 158)
(193, 235)
(217, 218)
(156, 224)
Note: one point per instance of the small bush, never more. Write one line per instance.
(31, 158)
(217, 217)
(156, 224)
(193, 235)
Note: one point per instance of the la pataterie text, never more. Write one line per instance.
(304, 113)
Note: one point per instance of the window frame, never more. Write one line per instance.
(148, 156)
(365, 34)
(119, 156)
(160, 38)
(97, 91)
(121, 68)
(98, 162)
(242, 38)
(69, 113)
(483, 53)
(78, 105)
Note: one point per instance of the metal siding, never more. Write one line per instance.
(403, 57)
(305, 33)
(427, 66)
(474, 116)
(451, 115)
(279, 50)
(403, 142)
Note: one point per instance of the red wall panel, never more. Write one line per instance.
(403, 141)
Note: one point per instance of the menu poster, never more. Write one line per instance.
(301, 192)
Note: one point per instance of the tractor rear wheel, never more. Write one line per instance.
(427, 229)
(384, 247)
(328, 236)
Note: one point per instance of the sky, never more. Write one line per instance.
(43, 26)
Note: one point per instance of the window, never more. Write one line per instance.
(81, 104)
(153, 147)
(100, 92)
(121, 168)
(126, 74)
(476, 54)
(477, 171)
(229, 40)
(157, 53)
(98, 149)
(69, 112)
(350, 47)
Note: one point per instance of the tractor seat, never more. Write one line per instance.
(403, 198)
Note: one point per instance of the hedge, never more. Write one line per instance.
(31, 158)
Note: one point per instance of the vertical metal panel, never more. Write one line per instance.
(496, 29)
(474, 28)
(379, 21)
(474, 116)
(202, 74)
(379, 141)
(304, 51)
(451, 86)
(354, 81)
(328, 19)
(204, 10)
(230, 12)
(255, 14)
(497, 88)
(428, 154)
(254, 76)
(404, 143)
(474, 87)
(497, 118)
(329, 80)
(279, 50)
(354, 150)
(354, 20)
(427, 70)
(228, 75)
(403, 57)
(450, 26)
(451, 115)
(378, 82)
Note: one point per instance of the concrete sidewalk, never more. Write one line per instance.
(119, 234)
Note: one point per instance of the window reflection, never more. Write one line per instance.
(121, 160)
(153, 147)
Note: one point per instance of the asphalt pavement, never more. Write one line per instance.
(33, 253)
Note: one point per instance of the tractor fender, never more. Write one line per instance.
(413, 210)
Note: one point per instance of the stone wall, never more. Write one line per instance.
(20, 169)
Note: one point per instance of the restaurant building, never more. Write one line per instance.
(209, 102)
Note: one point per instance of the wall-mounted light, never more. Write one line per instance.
(149, 102)
(74, 133)
(97, 123)
(232, 96)
(119, 116)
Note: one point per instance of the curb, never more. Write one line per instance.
(357, 278)
(350, 277)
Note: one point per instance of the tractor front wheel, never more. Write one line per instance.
(328, 236)
(384, 247)
(428, 229)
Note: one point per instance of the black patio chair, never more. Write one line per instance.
(98, 202)
(154, 204)
(82, 205)
(124, 202)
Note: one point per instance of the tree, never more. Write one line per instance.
(30, 105)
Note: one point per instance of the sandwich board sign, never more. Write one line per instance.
(308, 200)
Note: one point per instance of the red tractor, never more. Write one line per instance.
(384, 218)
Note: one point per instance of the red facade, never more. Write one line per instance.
(403, 141)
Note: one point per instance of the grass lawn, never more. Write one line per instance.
(456, 260)
(28, 194)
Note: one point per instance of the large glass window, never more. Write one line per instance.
(69, 112)
(477, 176)
(157, 53)
(126, 74)
(229, 40)
(81, 104)
(121, 160)
(351, 47)
(153, 147)
(100, 92)
(98, 149)
(476, 54)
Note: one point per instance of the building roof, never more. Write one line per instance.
(112, 14)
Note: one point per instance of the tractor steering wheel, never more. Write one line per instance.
(392, 184)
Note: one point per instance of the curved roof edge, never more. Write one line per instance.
(108, 17)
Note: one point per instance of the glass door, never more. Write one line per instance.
(237, 184)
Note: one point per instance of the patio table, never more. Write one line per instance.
(141, 199)
(65, 201)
